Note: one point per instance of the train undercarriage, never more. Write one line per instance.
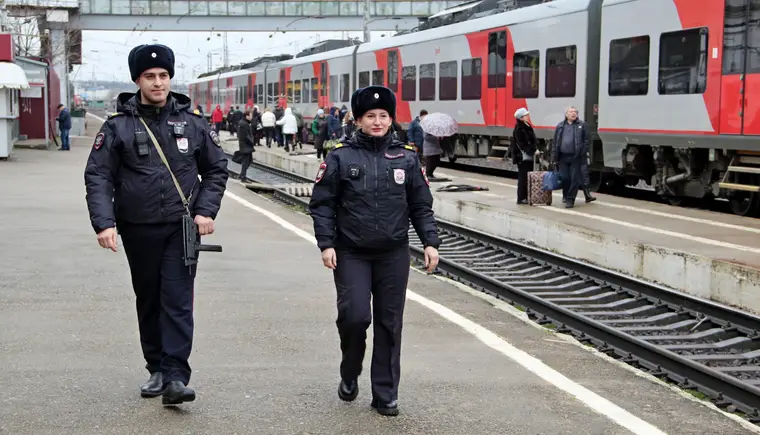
(681, 176)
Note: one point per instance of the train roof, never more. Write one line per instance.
(522, 15)
(517, 16)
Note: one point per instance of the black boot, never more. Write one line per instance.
(177, 393)
(587, 193)
(154, 387)
(347, 391)
(390, 409)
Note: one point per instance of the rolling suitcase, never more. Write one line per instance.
(536, 193)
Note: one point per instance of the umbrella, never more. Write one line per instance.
(439, 124)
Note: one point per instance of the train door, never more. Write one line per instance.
(740, 83)
(495, 107)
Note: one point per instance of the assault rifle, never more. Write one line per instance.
(192, 244)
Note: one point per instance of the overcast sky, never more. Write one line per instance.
(104, 54)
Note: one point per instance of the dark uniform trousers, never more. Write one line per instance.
(383, 276)
(164, 289)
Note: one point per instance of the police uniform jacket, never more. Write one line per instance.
(126, 181)
(366, 192)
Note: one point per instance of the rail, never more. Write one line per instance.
(699, 344)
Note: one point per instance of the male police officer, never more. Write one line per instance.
(130, 187)
(366, 191)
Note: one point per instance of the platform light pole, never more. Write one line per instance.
(365, 24)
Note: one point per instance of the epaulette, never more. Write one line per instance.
(410, 148)
(340, 145)
(114, 115)
(196, 112)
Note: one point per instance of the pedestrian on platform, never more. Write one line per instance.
(524, 152)
(216, 118)
(153, 137)
(569, 151)
(64, 125)
(245, 145)
(268, 122)
(366, 192)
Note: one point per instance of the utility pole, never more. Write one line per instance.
(226, 52)
(365, 25)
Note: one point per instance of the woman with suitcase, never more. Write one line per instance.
(524, 147)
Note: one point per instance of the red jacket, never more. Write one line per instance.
(217, 115)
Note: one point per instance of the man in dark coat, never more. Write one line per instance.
(569, 150)
(245, 145)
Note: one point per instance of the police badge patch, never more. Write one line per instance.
(99, 139)
(399, 176)
(215, 138)
(182, 144)
(321, 172)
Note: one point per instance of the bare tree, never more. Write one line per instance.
(32, 38)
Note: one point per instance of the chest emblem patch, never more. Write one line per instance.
(399, 176)
(182, 144)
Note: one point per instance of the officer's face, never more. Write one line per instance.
(154, 85)
(376, 122)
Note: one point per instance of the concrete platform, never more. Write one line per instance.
(265, 357)
(708, 254)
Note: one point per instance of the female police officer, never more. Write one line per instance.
(366, 191)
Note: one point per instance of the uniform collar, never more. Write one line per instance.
(373, 143)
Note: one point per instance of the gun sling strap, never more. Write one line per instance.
(185, 201)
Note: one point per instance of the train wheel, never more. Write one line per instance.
(746, 203)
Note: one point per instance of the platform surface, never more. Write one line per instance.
(265, 357)
(706, 253)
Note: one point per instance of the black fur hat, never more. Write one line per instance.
(144, 57)
(373, 97)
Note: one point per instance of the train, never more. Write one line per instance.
(669, 89)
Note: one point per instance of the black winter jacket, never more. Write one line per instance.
(523, 140)
(366, 192)
(125, 178)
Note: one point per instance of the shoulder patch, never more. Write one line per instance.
(99, 139)
(410, 148)
(214, 138)
(115, 114)
(321, 172)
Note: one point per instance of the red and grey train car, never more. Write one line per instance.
(670, 89)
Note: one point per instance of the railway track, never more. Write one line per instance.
(698, 344)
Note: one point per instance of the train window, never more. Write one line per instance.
(378, 77)
(270, 93)
(260, 96)
(683, 62)
(735, 36)
(334, 89)
(447, 83)
(289, 92)
(525, 75)
(364, 79)
(629, 66)
(427, 82)
(276, 92)
(560, 71)
(753, 57)
(345, 87)
(315, 90)
(409, 83)
(497, 59)
(472, 78)
(306, 91)
(392, 70)
(296, 92)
